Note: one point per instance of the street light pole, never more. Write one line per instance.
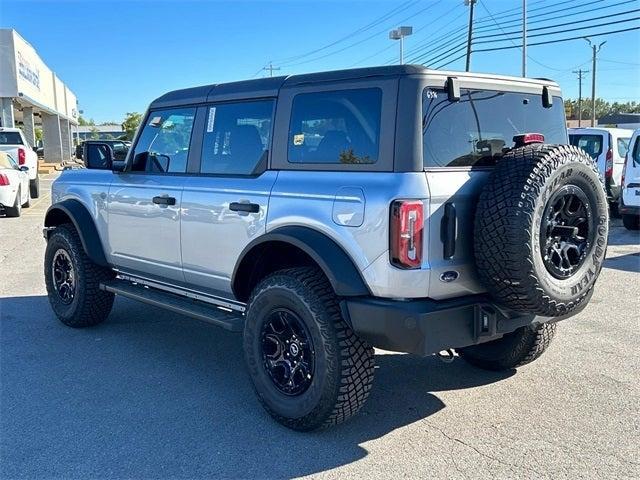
(580, 74)
(524, 38)
(399, 34)
(595, 49)
(271, 68)
(471, 3)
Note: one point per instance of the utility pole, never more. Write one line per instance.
(270, 69)
(595, 49)
(524, 38)
(580, 74)
(470, 3)
(399, 34)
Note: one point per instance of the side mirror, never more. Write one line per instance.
(118, 165)
(98, 156)
(24, 168)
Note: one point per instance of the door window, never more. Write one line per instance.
(341, 127)
(163, 145)
(237, 138)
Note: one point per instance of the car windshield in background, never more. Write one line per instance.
(592, 144)
(623, 146)
(478, 129)
(10, 138)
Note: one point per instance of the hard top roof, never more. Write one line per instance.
(269, 87)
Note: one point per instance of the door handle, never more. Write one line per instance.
(244, 207)
(164, 200)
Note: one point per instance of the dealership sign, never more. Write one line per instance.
(27, 72)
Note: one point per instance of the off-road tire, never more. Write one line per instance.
(16, 210)
(34, 187)
(344, 364)
(631, 222)
(508, 222)
(90, 305)
(514, 350)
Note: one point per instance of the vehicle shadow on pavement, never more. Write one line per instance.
(150, 394)
(627, 263)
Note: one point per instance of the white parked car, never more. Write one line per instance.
(13, 141)
(14, 186)
(608, 147)
(630, 185)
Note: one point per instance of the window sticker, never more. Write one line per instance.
(212, 119)
(298, 139)
(430, 94)
(156, 121)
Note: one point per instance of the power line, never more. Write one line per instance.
(606, 24)
(499, 28)
(556, 25)
(560, 40)
(402, 7)
(379, 32)
(446, 39)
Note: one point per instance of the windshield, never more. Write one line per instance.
(479, 128)
(10, 138)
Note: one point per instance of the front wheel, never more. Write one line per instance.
(513, 350)
(308, 368)
(73, 280)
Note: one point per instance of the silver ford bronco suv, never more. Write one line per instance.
(325, 214)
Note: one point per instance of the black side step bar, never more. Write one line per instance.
(232, 321)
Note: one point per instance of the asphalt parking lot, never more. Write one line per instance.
(149, 394)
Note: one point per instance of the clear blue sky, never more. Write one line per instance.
(119, 55)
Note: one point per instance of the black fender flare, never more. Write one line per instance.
(83, 223)
(340, 270)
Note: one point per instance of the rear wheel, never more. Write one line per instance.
(34, 187)
(631, 222)
(514, 350)
(16, 209)
(73, 280)
(308, 368)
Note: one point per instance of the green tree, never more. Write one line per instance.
(38, 133)
(84, 122)
(602, 108)
(130, 124)
(95, 133)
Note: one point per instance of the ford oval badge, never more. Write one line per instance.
(449, 276)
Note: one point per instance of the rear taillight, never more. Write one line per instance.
(608, 166)
(407, 226)
(22, 156)
(4, 180)
(624, 169)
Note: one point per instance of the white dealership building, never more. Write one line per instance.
(31, 94)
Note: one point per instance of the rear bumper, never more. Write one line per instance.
(427, 326)
(628, 209)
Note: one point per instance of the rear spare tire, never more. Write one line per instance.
(541, 229)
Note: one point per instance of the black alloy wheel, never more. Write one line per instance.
(64, 278)
(287, 352)
(566, 231)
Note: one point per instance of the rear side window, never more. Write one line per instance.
(479, 128)
(590, 143)
(10, 138)
(163, 145)
(341, 127)
(237, 137)
(623, 146)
